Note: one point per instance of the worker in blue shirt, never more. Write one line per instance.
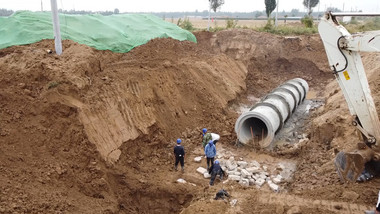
(210, 152)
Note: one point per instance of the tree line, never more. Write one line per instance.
(243, 15)
(215, 6)
(270, 5)
(5, 12)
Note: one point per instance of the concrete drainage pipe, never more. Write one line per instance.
(267, 117)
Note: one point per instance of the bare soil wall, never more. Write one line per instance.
(93, 131)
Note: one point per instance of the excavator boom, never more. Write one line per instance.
(342, 51)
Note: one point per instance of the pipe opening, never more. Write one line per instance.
(267, 117)
(254, 128)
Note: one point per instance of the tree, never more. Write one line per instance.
(294, 12)
(5, 12)
(270, 5)
(214, 5)
(309, 4)
(116, 11)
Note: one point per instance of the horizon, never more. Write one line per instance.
(160, 11)
(168, 6)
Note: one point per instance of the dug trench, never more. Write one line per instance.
(93, 131)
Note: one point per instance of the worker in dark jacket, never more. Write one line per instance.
(215, 170)
(221, 194)
(179, 153)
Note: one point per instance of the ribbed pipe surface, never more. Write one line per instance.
(268, 116)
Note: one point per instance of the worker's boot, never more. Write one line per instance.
(175, 168)
(183, 169)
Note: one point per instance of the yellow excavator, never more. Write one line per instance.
(342, 51)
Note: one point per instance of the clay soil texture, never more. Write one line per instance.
(93, 131)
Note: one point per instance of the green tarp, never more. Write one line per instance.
(118, 33)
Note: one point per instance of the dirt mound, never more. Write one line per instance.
(53, 107)
(93, 131)
(270, 59)
(331, 132)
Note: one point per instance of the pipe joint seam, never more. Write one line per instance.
(274, 108)
(291, 94)
(304, 90)
(283, 100)
(295, 87)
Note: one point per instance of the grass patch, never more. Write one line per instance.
(307, 21)
(288, 30)
(284, 30)
(185, 24)
(306, 26)
(231, 23)
(216, 29)
(368, 24)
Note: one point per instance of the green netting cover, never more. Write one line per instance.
(118, 33)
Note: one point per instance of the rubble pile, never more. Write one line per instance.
(252, 173)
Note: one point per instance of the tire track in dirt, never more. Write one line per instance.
(134, 87)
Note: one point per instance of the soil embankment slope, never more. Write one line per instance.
(92, 131)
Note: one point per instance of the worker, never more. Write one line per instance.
(179, 153)
(221, 194)
(210, 152)
(377, 208)
(209, 136)
(206, 137)
(215, 170)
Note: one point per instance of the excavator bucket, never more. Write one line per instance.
(349, 166)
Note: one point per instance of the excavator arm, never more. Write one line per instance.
(343, 53)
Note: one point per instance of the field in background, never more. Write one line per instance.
(290, 27)
(202, 23)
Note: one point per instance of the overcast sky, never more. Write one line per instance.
(185, 5)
